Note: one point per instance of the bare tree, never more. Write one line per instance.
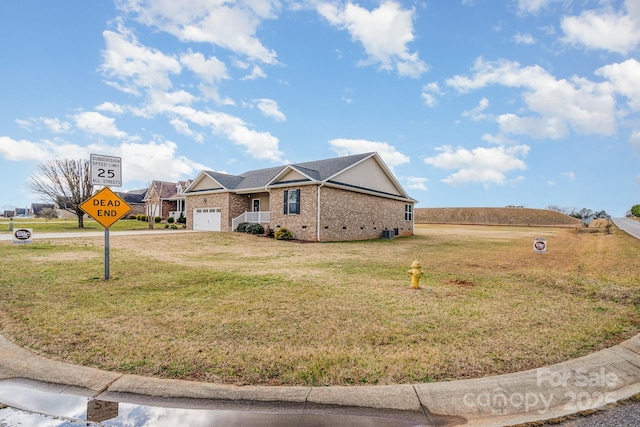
(66, 183)
(48, 214)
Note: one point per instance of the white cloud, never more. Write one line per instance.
(166, 102)
(229, 25)
(210, 70)
(43, 150)
(24, 150)
(571, 176)
(136, 65)
(555, 104)
(269, 108)
(605, 29)
(498, 139)
(140, 161)
(524, 39)
(183, 128)
(391, 156)
(429, 92)
(256, 73)
(156, 160)
(477, 114)
(259, 145)
(482, 165)
(532, 6)
(110, 107)
(536, 127)
(384, 33)
(415, 183)
(624, 78)
(56, 125)
(95, 123)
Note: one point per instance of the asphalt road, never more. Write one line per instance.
(71, 234)
(621, 415)
(631, 226)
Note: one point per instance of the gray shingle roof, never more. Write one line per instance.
(329, 167)
(227, 181)
(318, 170)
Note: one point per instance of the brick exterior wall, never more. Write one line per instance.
(345, 215)
(238, 204)
(232, 205)
(303, 225)
(137, 209)
(166, 206)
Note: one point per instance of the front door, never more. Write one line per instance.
(256, 205)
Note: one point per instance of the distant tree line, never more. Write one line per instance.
(579, 213)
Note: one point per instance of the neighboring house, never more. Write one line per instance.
(344, 198)
(22, 212)
(166, 199)
(135, 199)
(37, 208)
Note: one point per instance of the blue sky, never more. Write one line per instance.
(469, 102)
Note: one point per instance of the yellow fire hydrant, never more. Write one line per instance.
(415, 274)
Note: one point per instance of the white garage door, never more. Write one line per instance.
(206, 219)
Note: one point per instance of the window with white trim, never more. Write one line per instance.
(291, 202)
(408, 212)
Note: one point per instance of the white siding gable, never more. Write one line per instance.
(370, 175)
(206, 183)
(293, 175)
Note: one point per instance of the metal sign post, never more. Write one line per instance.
(106, 208)
(106, 254)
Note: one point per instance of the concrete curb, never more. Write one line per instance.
(585, 383)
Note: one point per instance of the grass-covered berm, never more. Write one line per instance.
(240, 309)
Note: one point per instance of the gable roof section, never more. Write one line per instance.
(211, 181)
(369, 175)
(330, 167)
(258, 178)
(360, 172)
(225, 181)
(321, 170)
(161, 190)
(133, 196)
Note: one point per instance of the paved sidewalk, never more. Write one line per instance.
(585, 383)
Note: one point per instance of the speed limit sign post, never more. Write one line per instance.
(105, 206)
(105, 170)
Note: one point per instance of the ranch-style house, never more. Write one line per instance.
(344, 198)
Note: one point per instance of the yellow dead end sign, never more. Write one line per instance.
(105, 207)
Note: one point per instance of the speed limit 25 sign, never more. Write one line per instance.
(106, 170)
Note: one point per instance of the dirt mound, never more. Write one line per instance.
(494, 216)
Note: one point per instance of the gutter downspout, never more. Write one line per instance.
(268, 190)
(318, 221)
